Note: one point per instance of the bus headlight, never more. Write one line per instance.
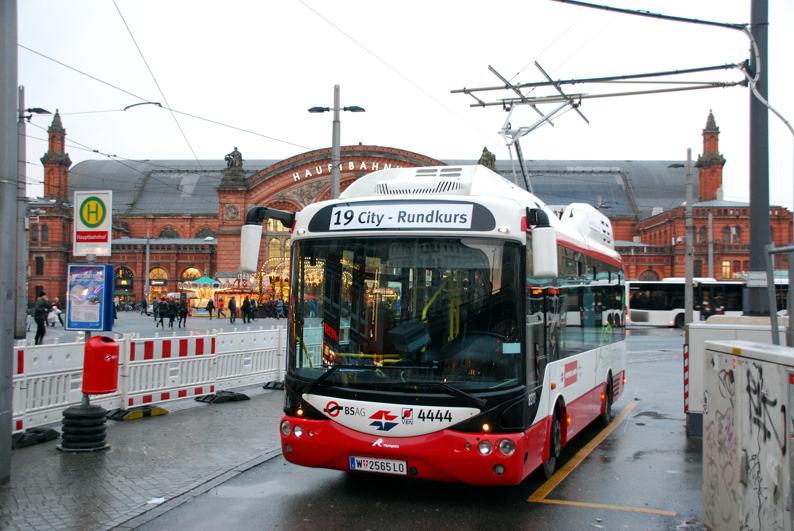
(297, 431)
(506, 446)
(485, 448)
(285, 428)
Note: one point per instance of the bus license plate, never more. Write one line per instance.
(383, 466)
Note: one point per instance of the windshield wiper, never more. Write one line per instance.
(479, 402)
(320, 379)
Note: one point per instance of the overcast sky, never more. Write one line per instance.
(260, 65)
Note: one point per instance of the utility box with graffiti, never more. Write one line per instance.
(747, 405)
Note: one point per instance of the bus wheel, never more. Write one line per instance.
(679, 320)
(555, 445)
(606, 417)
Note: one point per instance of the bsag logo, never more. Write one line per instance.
(408, 415)
(333, 408)
(381, 419)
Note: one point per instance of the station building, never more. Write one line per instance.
(192, 212)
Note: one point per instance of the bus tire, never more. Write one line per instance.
(555, 445)
(606, 416)
(679, 320)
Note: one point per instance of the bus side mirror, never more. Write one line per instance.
(544, 244)
(544, 252)
(250, 238)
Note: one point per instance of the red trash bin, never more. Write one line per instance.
(101, 366)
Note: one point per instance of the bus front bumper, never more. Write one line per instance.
(445, 455)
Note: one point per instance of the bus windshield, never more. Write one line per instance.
(407, 312)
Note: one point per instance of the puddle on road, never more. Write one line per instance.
(654, 415)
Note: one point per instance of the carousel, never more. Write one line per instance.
(200, 292)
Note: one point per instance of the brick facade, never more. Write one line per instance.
(293, 183)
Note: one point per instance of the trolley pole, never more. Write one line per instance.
(20, 329)
(690, 239)
(8, 226)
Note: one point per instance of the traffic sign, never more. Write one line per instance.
(93, 214)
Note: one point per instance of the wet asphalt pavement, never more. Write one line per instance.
(646, 474)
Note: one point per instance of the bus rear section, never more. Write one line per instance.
(428, 335)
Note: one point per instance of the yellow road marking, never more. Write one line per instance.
(601, 506)
(539, 496)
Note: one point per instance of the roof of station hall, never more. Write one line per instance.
(187, 187)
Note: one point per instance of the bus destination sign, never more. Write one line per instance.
(402, 216)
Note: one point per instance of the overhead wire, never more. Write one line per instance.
(423, 91)
(166, 108)
(156, 83)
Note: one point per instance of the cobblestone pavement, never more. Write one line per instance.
(193, 448)
(155, 457)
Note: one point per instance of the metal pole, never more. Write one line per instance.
(20, 328)
(711, 246)
(335, 147)
(690, 238)
(770, 290)
(147, 289)
(789, 299)
(759, 156)
(8, 228)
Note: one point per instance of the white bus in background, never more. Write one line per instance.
(661, 303)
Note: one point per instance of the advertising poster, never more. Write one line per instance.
(89, 297)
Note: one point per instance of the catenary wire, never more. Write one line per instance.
(166, 108)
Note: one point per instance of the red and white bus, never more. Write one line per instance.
(429, 332)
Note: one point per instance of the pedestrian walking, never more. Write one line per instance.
(173, 310)
(232, 310)
(210, 308)
(56, 305)
(162, 312)
(246, 309)
(40, 312)
(156, 308)
(254, 309)
(279, 309)
(312, 309)
(220, 309)
(182, 313)
(271, 308)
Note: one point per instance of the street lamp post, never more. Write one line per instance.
(336, 140)
(21, 320)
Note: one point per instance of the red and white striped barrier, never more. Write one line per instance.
(48, 378)
(161, 369)
(686, 378)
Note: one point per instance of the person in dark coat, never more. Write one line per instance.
(254, 309)
(40, 313)
(162, 312)
(246, 307)
(210, 308)
(182, 312)
(173, 310)
(156, 308)
(232, 310)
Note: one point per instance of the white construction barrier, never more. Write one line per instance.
(249, 357)
(48, 378)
